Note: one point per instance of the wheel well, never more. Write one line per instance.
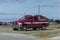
(44, 24)
(25, 24)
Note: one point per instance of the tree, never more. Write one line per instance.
(57, 21)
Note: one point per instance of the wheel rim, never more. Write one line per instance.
(24, 28)
(43, 27)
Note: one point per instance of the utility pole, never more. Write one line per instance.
(38, 7)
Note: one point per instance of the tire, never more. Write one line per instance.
(15, 29)
(43, 27)
(34, 28)
(24, 28)
(38, 28)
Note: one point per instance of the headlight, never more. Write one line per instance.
(20, 23)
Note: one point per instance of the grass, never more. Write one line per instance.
(52, 31)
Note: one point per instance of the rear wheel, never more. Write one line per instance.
(15, 29)
(43, 27)
(34, 28)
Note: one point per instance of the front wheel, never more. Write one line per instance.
(15, 29)
(24, 28)
(43, 27)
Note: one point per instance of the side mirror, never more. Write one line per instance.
(31, 20)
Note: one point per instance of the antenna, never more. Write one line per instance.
(24, 13)
(38, 7)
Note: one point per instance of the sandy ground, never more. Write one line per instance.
(14, 36)
(49, 34)
(55, 38)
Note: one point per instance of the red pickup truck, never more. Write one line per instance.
(29, 21)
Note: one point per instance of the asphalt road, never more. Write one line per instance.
(12, 36)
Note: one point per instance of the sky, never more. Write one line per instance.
(11, 10)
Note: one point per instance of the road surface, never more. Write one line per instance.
(12, 36)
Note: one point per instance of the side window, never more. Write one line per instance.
(31, 19)
(39, 17)
(35, 18)
(26, 18)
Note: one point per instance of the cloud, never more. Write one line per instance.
(55, 1)
(6, 1)
(50, 6)
(50, 3)
(10, 13)
(21, 0)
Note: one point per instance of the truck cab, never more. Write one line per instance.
(34, 22)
